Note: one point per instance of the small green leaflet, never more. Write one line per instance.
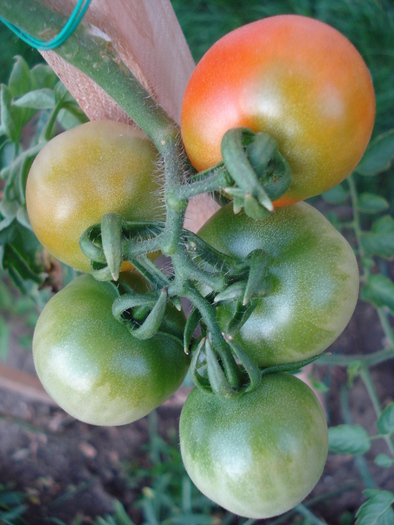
(348, 439)
(377, 510)
(379, 155)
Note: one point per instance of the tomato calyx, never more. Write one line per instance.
(261, 174)
(256, 283)
(253, 173)
(115, 240)
(142, 314)
(209, 373)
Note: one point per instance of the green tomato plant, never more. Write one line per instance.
(270, 287)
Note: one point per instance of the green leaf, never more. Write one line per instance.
(380, 240)
(385, 422)
(9, 118)
(71, 116)
(368, 262)
(380, 244)
(4, 338)
(62, 94)
(7, 230)
(377, 510)
(21, 80)
(383, 460)
(9, 209)
(353, 370)
(378, 156)
(348, 439)
(43, 76)
(379, 291)
(337, 195)
(384, 224)
(6, 298)
(23, 218)
(371, 203)
(38, 99)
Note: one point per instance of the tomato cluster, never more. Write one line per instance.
(305, 84)
(256, 451)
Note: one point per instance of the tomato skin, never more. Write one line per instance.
(295, 78)
(93, 367)
(313, 279)
(83, 173)
(258, 454)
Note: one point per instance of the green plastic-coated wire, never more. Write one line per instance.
(65, 33)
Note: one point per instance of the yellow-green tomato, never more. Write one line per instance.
(96, 168)
(92, 366)
(312, 281)
(256, 454)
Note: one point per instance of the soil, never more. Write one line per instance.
(68, 469)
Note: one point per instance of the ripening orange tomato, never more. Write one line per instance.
(293, 77)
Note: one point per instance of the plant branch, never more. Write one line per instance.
(374, 358)
(97, 58)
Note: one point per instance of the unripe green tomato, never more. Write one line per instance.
(96, 168)
(92, 366)
(312, 280)
(295, 78)
(256, 454)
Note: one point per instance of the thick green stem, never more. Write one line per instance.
(217, 181)
(97, 58)
(208, 315)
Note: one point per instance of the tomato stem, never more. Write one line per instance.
(97, 58)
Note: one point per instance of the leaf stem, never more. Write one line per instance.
(306, 513)
(368, 383)
(374, 358)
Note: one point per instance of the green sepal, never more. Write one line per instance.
(270, 166)
(190, 327)
(257, 284)
(241, 314)
(100, 272)
(239, 167)
(155, 276)
(252, 370)
(233, 292)
(90, 244)
(255, 209)
(200, 381)
(154, 319)
(217, 378)
(132, 300)
(111, 237)
(289, 367)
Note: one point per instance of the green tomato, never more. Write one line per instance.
(256, 454)
(312, 281)
(92, 366)
(97, 168)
